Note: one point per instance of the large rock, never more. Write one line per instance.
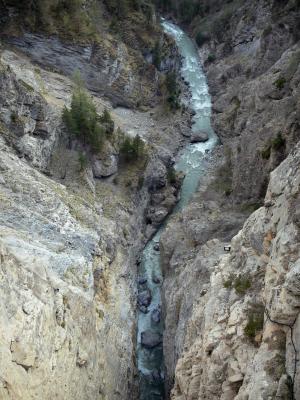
(150, 339)
(156, 315)
(144, 298)
(105, 167)
(199, 136)
(155, 175)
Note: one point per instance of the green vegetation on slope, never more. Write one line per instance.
(82, 119)
(83, 122)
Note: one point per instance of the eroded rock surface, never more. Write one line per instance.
(69, 241)
(231, 349)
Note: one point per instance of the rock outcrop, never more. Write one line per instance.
(218, 335)
(253, 73)
(242, 336)
(69, 240)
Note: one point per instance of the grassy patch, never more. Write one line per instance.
(278, 142)
(211, 58)
(171, 175)
(255, 321)
(280, 82)
(242, 284)
(266, 152)
(250, 207)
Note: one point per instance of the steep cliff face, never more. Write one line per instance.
(112, 46)
(253, 71)
(69, 240)
(217, 330)
(244, 328)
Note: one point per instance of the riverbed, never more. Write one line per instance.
(150, 321)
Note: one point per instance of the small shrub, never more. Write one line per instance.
(171, 175)
(82, 158)
(280, 82)
(255, 322)
(228, 283)
(223, 179)
(201, 38)
(221, 22)
(188, 11)
(242, 284)
(14, 117)
(278, 142)
(266, 152)
(211, 58)
(250, 207)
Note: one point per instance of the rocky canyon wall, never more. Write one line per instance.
(71, 228)
(219, 338)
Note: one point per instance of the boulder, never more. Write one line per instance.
(151, 339)
(144, 298)
(155, 175)
(156, 247)
(143, 309)
(156, 315)
(156, 280)
(142, 281)
(199, 137)
(105, 167)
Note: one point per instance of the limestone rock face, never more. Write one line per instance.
(33, 126)
(230, 349)
(68, 244)
(254, 82)
(54, 307)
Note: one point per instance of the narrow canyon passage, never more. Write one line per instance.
(150, 323)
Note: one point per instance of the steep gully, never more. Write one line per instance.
(150, 324)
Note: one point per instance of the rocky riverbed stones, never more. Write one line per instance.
(150, 339)
(144, 298)
(199, 137)
(156, 315)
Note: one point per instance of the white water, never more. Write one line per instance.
(191, 164)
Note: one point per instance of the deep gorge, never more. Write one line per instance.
(150, 323)
(77, 212)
